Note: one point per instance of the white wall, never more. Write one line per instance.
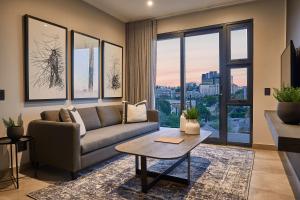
(73, 14)
(269, 41)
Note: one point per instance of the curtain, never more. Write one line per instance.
(140, 68)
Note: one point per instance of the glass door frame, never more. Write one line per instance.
(238, 64)
(225, 65)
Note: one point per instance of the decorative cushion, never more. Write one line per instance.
(65, 115)
(109, 115)
(136, 112)
(77, 119)
(90, 118)
(51, 115)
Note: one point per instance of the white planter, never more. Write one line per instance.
(192, 127)
(182, 123)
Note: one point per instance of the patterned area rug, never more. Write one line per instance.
(217, 172)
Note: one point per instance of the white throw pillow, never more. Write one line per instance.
(136, 112)
(77, 118)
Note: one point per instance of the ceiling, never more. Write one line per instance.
(133, 10)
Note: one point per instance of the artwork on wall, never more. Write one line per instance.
(85, 66)
(112, 70)
(45, 59)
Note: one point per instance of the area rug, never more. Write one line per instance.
(217, 172)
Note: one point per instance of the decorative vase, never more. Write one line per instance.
(15, 132)
(192, 127)
(182, 122)
(289, 112)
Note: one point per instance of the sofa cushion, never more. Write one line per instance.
(137, 112)
(90, 118)
(109, 115)
(75, 116)
(51, 115)
(110, 135)
(65, 115)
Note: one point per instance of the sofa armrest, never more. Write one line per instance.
(153, 115)
(56, 144)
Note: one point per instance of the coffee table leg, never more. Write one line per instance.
(144, 181)
(136, 164)
(142, 171)
(189, 167)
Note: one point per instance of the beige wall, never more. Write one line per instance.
(269, 42)
(73, 14)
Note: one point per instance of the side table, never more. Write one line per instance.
(10, 142)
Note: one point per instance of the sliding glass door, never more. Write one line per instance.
(167, 98)
(211, 69)
(202, 72)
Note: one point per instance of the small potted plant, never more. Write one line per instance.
(14, 130)
(192, 125)
(288, 109)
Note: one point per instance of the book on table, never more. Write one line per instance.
(172, 140)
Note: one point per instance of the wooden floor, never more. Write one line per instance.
(268, 181)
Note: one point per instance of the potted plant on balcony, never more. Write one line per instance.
(192, 125)
(288, 109)
(14, 130)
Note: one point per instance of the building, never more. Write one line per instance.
(210, 84)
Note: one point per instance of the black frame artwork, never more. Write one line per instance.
(55, 58)
(104, 68)
(73, 96)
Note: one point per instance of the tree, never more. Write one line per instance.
(164, 106)
(210, 100)
(239, 112)
(239, 94)
(203, 112)
(173, 121)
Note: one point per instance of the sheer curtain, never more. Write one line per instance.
(140, 66)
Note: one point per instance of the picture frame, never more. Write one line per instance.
(112, 70)
(45, 60)
(85, 65)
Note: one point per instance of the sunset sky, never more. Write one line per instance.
(202, 56)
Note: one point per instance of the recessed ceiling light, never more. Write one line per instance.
(150, 3)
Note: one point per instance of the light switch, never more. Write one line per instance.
(2, 95)
(267, 91)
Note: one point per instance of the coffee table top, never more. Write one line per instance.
(146, 145)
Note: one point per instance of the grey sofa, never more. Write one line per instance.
(59, 143)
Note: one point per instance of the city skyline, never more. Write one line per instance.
(202, 56)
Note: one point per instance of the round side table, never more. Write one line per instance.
(10, 142)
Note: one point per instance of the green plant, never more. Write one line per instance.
(11, 123)
(287, 94)
(192, 113)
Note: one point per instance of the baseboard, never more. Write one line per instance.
(264, 147)
(21, 168)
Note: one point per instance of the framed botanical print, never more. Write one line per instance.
(85, 66)
(45, 52)
(112, 70)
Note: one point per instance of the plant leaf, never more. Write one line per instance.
(20, 120)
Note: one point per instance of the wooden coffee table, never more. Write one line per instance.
(146, 147)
